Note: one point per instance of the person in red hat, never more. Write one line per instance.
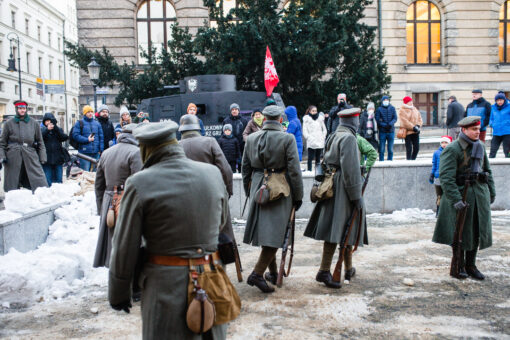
(22, 151)
(410, 120)
(434, 174)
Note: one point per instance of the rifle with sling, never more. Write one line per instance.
(457, 257)
(347, 233)
(289, 238)
(239, 267)
(361, 213)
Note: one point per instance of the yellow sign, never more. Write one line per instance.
(53, 82)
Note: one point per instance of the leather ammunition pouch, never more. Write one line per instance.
(226, 249)
(482, 177)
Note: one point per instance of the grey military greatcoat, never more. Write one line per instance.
(329, 217)
(22, 143)
(178, 206)
(270, 148)
(115, 166)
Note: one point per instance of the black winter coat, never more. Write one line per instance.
(454, 114)
(230, 147)
(53, 141)
(108, 131)
(238, 125)
(333, 119)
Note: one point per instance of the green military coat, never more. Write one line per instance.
(455, 160)
(178, 206)
(329, 217)
(270, 148)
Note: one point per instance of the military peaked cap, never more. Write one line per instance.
(20, 103)
(129, 127)
(469, 121)
(272, 111)
(155, 133)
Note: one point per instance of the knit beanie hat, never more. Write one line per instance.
(190, 105)
(446, 139)
(123, 110)
(227, 127)
(270, 101)
(234, 106)
(407, 99)
(500, 96)
(103, 107)
(370, 106)
(87, 109)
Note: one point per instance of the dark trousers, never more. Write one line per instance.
(53, 173)
(496, 142)
(383, 137)
(314, 154)
(412, 146)
(233, 165)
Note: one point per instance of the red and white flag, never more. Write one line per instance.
(270, 77)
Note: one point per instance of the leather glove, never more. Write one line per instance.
(493, 198)
(431, 179)
(358, 204)
(297, 205)
(122, 306)
(416, 129)
(459, 205)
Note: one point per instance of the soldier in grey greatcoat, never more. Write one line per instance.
(115, 166)
(22, 151)
(272, 149)
(330, 216)
(203, 149)
(178, 206)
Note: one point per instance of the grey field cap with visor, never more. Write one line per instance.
(272, 111)
(155, 133)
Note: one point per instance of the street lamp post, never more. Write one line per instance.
(94, 69)
(12, 63)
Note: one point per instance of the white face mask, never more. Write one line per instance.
(370, 112)
(386, 102)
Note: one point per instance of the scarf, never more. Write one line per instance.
(258, 121)
(476, 152)
(315, 116)
(18, 118)
(147, 150)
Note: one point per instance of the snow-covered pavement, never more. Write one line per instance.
(53, 292)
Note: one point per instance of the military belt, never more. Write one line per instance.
(269, 170)
(482, 177)
(176, 261)
(21, 144)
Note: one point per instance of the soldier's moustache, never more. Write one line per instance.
(147, 150)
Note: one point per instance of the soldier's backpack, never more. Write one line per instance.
(73, 142)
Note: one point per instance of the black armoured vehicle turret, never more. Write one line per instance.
(212, 94)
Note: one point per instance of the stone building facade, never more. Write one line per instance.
(41, 28)
(434, 49)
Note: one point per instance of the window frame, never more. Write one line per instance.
(430, 104)
(148, 22)
(429, 23)
(505, 21)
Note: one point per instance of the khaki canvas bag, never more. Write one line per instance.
(219, 290)
(326, 188)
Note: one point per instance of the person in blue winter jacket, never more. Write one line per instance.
(434, 174)
(90, 137)
(295, 128)
(500, 123)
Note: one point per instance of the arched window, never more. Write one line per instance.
(423, 33)
(154, 21)
(504, 28)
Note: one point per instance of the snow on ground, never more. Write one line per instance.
(62, 265)
(53, 292)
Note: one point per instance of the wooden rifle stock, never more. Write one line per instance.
(289, 238)
(457, 256)
(361, 212)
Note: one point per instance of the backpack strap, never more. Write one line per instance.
(81, 126)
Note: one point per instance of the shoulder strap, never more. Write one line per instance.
(81, 126)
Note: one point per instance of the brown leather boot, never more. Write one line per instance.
(257, 280)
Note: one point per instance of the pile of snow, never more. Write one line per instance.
(23, 201)
(409, 215)
(62, 265)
